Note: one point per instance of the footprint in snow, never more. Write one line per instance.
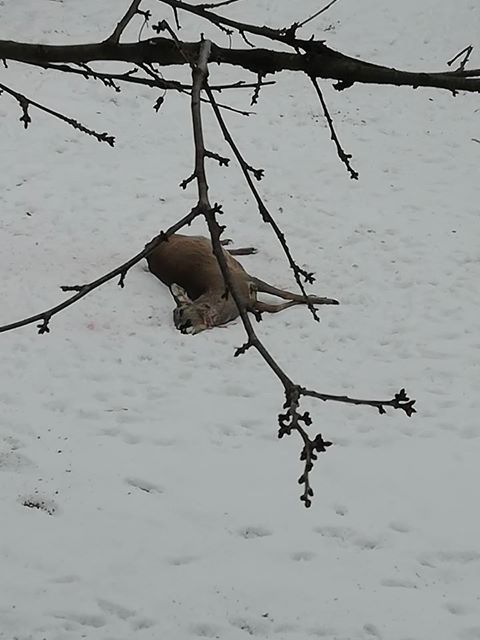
(254, 532)
(302, 556)
(206, 630)
(345, 537)
(40, 503)
(144, 485)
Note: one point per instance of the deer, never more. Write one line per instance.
(187, 265)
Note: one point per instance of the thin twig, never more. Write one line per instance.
(108, 79)
(399, 401)
(265, 214)
(215, 5)
(25, 103)
(466, 53)
(344, 157)
(315, 15)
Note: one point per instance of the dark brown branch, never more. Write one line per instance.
(279, 35)
(323, 62)
(82, 290)
(122, 25)
(222, 161)
(109, 79)
(298, 25)
(292, 419)
(256, 92)
(215, 5)
(265, 214)
(25, 103)
(399, 401)
(344, 157)
(200, 75)
(466, 53)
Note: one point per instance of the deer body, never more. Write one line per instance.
(187, 265)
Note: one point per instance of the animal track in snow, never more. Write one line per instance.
(142, 622)
(399, 582)
(457, 608)
(322, 632)
(144, 485)
(254, 532)
(302, 556)
(349, 537)
(372, 631)
(35, 501)
(206, 630)
(433, 559)
(251, 626)
(117, 610)
(85, 619)
(340, 509)
(399, 527)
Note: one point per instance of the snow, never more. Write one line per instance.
(170, 508)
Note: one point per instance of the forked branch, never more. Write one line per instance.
(123, 23)
(292, 419)
(265, 214)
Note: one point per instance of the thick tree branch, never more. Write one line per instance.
(322, 62)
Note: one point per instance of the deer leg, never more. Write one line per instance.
(264, 287)
(265, 307)
(242, 251)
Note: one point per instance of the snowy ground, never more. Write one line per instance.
(171, 509)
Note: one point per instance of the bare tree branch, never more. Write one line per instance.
(344, 157)
(399, 401)
(466, 53)
(315, 15)
(320, 62)
(25, 103)
(122, 25)
(110, 79)
(215, 5)
(265, 214)
(292, 419)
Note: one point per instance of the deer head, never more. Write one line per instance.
(191, 316)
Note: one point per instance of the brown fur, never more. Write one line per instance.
(187, 265)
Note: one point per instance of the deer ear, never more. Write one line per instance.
(180, 295)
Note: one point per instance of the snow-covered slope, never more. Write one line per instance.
(170, 508)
